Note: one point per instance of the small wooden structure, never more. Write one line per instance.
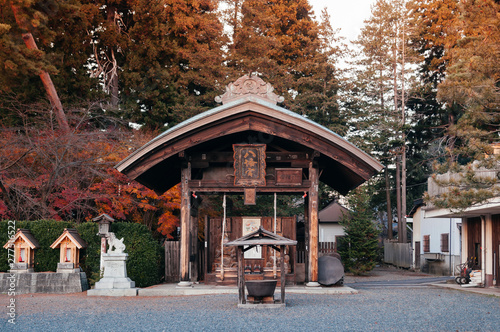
(24, 244)
(70, 244)
(248, 146)
(260, 237)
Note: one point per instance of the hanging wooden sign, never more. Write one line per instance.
(250, 196)
(249, 165)
(289, 176)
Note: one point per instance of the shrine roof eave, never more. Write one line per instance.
(261, 237)
(26, 235)
(74, 237)
(250, 103)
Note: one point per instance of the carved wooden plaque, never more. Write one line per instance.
(289, 176)
(249, 165)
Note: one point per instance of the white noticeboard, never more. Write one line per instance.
(251, 225)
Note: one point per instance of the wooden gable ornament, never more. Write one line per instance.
(24, 245)
(70, 244)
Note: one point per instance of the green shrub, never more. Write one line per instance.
(144, 264)
(4, 237)
(144, 253)
(45, 232)
(90, 258)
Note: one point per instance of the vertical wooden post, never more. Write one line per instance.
(241, 276)
(283, 280)
(313, 226)
(398, 199)
(306, 237)
(194, 248)
(389, 205)
(185, 225)
(207, 241)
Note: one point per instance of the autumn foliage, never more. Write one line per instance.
(48, 175)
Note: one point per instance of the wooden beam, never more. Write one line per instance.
(228, 186)
(313, 225)
(185, 223)
(201, 158)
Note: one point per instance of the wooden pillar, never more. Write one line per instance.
(241, 276)
(185, 225)
(194, 248)
(283, 272)
(306, 237)
(313, 226)
(207, 241)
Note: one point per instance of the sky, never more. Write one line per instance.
(346, 15)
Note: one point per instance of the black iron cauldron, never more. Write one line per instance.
(261, 288)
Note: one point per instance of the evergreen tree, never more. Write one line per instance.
(359, 247)
(174, 62)
(471, 84)
(379, 92)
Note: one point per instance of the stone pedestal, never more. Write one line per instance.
(115, 281)
(21, 268)
(67, 268)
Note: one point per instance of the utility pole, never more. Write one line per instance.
(398, 197)
(403, 138)
(389, 205)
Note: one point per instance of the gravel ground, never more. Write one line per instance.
(403, 309)
(386, 273)
(380, 309)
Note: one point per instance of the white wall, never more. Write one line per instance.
(437, 226)
(328, 231)
(434, 227)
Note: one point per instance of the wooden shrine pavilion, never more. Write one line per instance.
(249, 146)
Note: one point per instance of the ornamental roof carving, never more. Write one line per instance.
(249, 85)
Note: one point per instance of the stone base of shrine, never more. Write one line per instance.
(43, 282)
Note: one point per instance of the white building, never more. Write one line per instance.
(329, 222)
(436, 242)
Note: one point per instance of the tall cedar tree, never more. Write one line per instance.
(62, 52)
(471, 83)
(359, 247)
(430, 117)
(381, 72)
(174, 62)
(154, 63)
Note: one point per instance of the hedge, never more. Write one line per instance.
(144, 264)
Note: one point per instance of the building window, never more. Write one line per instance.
(427, 243)
(445, 242)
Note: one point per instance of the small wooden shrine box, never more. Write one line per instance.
(70, 244)
(24, 245)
